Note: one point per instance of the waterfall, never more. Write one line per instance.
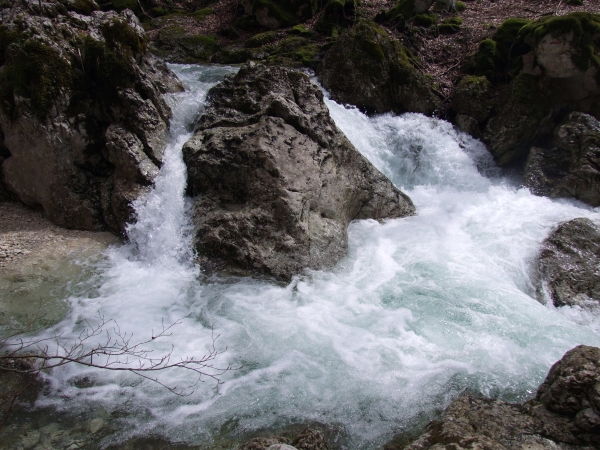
(419, 310)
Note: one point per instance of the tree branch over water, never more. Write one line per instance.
(116, 351)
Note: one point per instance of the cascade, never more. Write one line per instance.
(419, 310)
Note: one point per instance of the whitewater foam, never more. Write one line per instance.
(421, 309)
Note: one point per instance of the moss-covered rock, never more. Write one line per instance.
(336, 15)
(32, 70)
(450, 26)
(176, 44)
(258, 40)
(500, 57)
(366, 68)
(471, 98)
(407, 9)
(424, 20)
(81, 113)
(282, 13)
(524, 117)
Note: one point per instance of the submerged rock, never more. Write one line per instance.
(275, 182)
(82, 116)
(366, 68)
(564, 414)
(568, 263)
(571, 168)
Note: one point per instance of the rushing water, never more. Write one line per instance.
(421, 309)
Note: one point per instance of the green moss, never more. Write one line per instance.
(336, 15)
(460, 6)
(524, 91)
(106, 70)
(247, 23)
(32, 70)
(424, 20)
(586, 35)
(201, 14)
(301, 30)
(403, 9)
(287, 12)
(231, 56)
(120, 5)
(261, 39)
(158, 11)
(307, 54)
(453, 21)
(85, 7)
(118, 33)
(195, 47)
(500, 57)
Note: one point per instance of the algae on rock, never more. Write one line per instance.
(367, 68)
(61, 87)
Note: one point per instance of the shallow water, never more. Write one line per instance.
(421, 309)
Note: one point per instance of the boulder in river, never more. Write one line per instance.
(367, 68)
(571, 167)
(275, 182)
(83, 123)
(564, 414)
(568, 264)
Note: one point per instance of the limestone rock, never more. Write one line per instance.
(571, 167)
(564, 414)
(82, 117)
(366, 68)
(568, 263)
(525, 116)
(275, 183)
(310, 439)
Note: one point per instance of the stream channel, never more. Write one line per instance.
(420, 310)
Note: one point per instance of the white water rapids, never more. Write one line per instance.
(421, 309)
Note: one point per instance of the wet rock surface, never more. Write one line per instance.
(568, 264)
(366, 68)
(563, 415)
(275, 183)
(570, 168)
(82, 118)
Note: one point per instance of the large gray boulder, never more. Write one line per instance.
(563, 415)
(367, 68)
(82, 118)
(571, 168)
(275, 182)
(568, 264)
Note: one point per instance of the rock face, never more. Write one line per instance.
(564, 414)
(568, 263)
(539, 70)
(82, 118)
(280, 13)
(571, 167)
(366, 68)
(309, 439)
(275, 183)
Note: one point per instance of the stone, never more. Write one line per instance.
(471, 97)
(571, 167)
(276, 14)
(83, 121)
(275, 182)
(367, 68)
(563, 414)
(281, 447)
(568, 264)
(524, 117)
(264, 443)
(310, 439)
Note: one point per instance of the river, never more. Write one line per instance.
(421, 309)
